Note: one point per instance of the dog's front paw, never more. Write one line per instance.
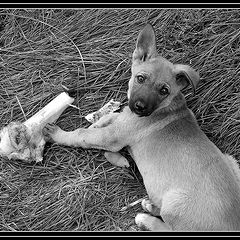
(50, 132)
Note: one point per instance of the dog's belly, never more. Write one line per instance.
(156, 181)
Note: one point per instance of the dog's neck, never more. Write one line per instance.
(177, 106)
(159, 119)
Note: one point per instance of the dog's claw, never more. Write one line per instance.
(50, 127)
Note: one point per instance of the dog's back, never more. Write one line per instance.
(198, 186)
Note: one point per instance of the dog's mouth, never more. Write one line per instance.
(142, 114)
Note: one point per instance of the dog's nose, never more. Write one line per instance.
(139, 106)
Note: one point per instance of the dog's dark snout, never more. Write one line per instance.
(143, 102)
(140, 106)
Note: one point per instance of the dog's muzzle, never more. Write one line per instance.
(142, 107)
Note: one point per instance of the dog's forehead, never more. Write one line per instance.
(155, 66)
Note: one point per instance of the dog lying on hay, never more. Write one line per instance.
(191, 184)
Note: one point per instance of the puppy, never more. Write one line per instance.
(191, 184)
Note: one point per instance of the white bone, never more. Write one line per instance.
(25, 141)
(108, 108)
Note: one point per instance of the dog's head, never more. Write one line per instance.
(155, 81)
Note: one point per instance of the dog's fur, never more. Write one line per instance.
(192, 183)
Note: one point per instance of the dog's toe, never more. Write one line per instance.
(146, 205)
(49, 130)
(50, 127)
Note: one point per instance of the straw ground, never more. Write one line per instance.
(89, 50)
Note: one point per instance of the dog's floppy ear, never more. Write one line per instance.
(146, 44)
(186, 75)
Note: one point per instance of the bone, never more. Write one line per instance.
(25, 141)
(108, 108)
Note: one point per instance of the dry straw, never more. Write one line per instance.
(89, 50)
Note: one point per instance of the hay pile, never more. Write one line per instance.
(90, 50)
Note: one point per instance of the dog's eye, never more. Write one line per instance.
(164, 90)
(141, 79)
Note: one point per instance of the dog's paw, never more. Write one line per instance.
(116, 159)
(140, 220)
(50, 132)
(148, 206)
(147, 222)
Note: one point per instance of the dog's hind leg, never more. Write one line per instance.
(148, 206)
(146, 221)
(153, 220)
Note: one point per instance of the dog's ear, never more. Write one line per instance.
(186, 75)
(146, 44)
